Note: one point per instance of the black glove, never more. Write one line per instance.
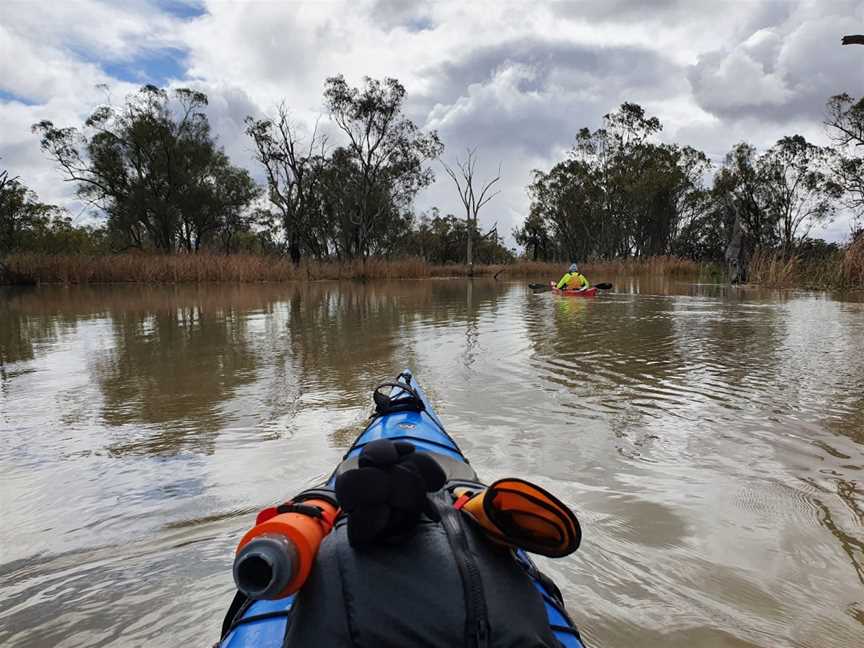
(386, 495)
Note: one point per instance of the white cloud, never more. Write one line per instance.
(517, 80)
(51, 61)
(737, 82)
(784, 72)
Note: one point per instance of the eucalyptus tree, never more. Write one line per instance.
(153, 168)
(21, 214)
(738, 195)
(845, 122)
(618, 193)
(534, 237)
(382, 165)
(293, 166)
(799, 192)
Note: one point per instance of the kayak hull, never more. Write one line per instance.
(588, 292)
(263, 623)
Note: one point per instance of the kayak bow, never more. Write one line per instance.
(263, 623)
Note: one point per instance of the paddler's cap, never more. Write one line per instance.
(574, 267)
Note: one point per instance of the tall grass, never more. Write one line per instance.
(597, 270)
(852, 271)
(842, 270)
(201, 268)
(774, 270)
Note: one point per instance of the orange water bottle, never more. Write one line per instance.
(275, 557)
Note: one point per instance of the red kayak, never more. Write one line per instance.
(587, 292)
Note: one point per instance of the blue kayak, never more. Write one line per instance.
(263, 623)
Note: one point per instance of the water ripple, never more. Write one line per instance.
(710, 439)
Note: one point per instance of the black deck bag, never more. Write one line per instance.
(444, 586)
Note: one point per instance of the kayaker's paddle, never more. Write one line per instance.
(539, 287)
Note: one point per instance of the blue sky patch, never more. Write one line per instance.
(155, 66)
(419, 24)
(183, 9)
(6, 96)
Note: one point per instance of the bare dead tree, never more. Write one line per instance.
(472, 199)
(290, 168)
(854, 39)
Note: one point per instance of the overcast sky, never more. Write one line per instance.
(515, 79)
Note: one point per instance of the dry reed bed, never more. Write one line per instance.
(843, 270)
(853, 264)
(201, 268)
(770, 269)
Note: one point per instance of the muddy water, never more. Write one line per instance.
(711, 440)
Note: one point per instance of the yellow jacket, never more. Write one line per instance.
(573, 281)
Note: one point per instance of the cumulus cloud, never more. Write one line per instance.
(677, 12)
(402, 14)
(784, 72)
(227, 110)
(516, 80)
(533, 96)
(743, 81)
(52, 60)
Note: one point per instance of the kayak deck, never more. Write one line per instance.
(264, 622)
(588, 292)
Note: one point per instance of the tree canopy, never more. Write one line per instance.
(619, 193)
(154, 169)
(845, 121)
(159, 180)
(381, 167)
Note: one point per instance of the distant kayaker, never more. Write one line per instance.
(573, 280)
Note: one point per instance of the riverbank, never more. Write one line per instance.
(843, 270)
(206, 268)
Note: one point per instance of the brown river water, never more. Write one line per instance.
(711, 440)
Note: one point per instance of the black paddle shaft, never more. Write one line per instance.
(538, 287)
